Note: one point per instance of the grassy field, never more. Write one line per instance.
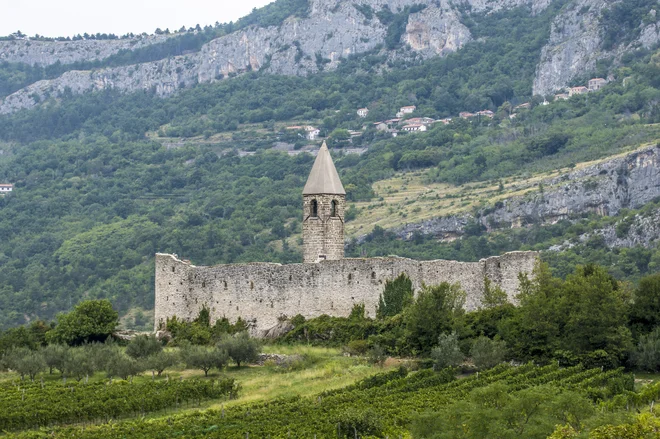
(311, 370)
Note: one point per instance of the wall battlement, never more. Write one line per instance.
(263, 292)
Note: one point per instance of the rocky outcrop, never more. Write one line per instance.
(576, 44)
(641, 230)
(45, 53)
(629, 181)
(334, 29)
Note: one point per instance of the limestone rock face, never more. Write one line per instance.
(576, 43)
(334, 29)
(626, 182)
(45, 53)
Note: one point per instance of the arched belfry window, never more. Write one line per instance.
(333, 208)
(315, 208)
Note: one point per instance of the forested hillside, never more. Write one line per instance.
(104, 180)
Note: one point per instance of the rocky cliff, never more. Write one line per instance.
(625, 182)
(577, 42)
(45, 53)
(334, 29)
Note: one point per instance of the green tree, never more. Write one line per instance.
(240, 347)
(160, 361)
(397, 295)
(436, 310)
(143, 346)
(123, 366)
(583, 314)
(26, 362)
(645, 310)
(200, 357)
(494, 296)
(90, 321)
(647, 355)
(487, 353)
(55, 356)
(80, 364)
(447, 353)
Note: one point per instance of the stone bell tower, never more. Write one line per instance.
(324, 202)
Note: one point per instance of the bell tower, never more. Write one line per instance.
(324, 202)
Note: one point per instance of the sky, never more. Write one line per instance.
(55, 18)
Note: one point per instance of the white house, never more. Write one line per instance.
(6, 188)
(363, 112)
(312, 133)
(413, 127)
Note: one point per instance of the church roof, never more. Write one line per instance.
(324, 178)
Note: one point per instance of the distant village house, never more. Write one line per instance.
(363, 112)
(406, 110)
(577, 90)
(420, 121)
(6, 188)
(597, 83)
(311, 133)
(486, 113)
(414, 127)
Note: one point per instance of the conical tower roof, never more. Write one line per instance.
(324, 178)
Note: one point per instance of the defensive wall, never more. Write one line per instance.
(261, 293)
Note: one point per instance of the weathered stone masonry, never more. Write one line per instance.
(325, 283)
(263, 292)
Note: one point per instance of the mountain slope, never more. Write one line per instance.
(331, 31)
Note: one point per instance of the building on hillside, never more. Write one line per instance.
(562, 97)
(445, 121)
(525, 106)
(413, 127)
(597, 83)
(312, 133)
(394, 121)
(466, 115)
(363, 112)
(6, 188)
(577, 90)
(406, 110)
(381, 126)
(263, 294)
(485, 113)
(420, 120)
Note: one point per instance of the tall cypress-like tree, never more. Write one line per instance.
(397, 295)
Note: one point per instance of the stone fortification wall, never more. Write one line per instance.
(263, 292)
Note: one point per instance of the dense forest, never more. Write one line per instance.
(99, 187)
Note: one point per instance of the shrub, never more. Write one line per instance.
(161, 361)
(377, 355)
(647, 354)
(356, 347)
(447, 353)
(487, 353)
(199, 357)
(240, 347)
(143, 346)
